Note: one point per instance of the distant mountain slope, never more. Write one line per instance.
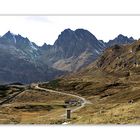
(120, 40)
(24, 45)
(19, 61)
(73, 50)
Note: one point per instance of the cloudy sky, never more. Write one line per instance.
(40, 29)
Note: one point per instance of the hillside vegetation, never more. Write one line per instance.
(112, 84)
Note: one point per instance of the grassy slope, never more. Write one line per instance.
(112, 84)
(34, 107)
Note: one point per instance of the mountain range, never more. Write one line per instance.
(23, 61)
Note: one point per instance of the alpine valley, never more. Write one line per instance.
(77, 80)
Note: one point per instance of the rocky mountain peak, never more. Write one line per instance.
(44, 45)
(83, 33)
(124, 38)
(8, 38)
(73, 50)
(120, 40)
(120, 36)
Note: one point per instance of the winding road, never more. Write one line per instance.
(83, 100)
(35, 86)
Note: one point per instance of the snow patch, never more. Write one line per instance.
(15, 41)
(13, 36)
(101, 44)
(97, 52)
(32, 46)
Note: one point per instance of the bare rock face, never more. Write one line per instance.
(73, 50)
(19, 61)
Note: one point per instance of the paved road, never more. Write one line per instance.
(83, 100)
